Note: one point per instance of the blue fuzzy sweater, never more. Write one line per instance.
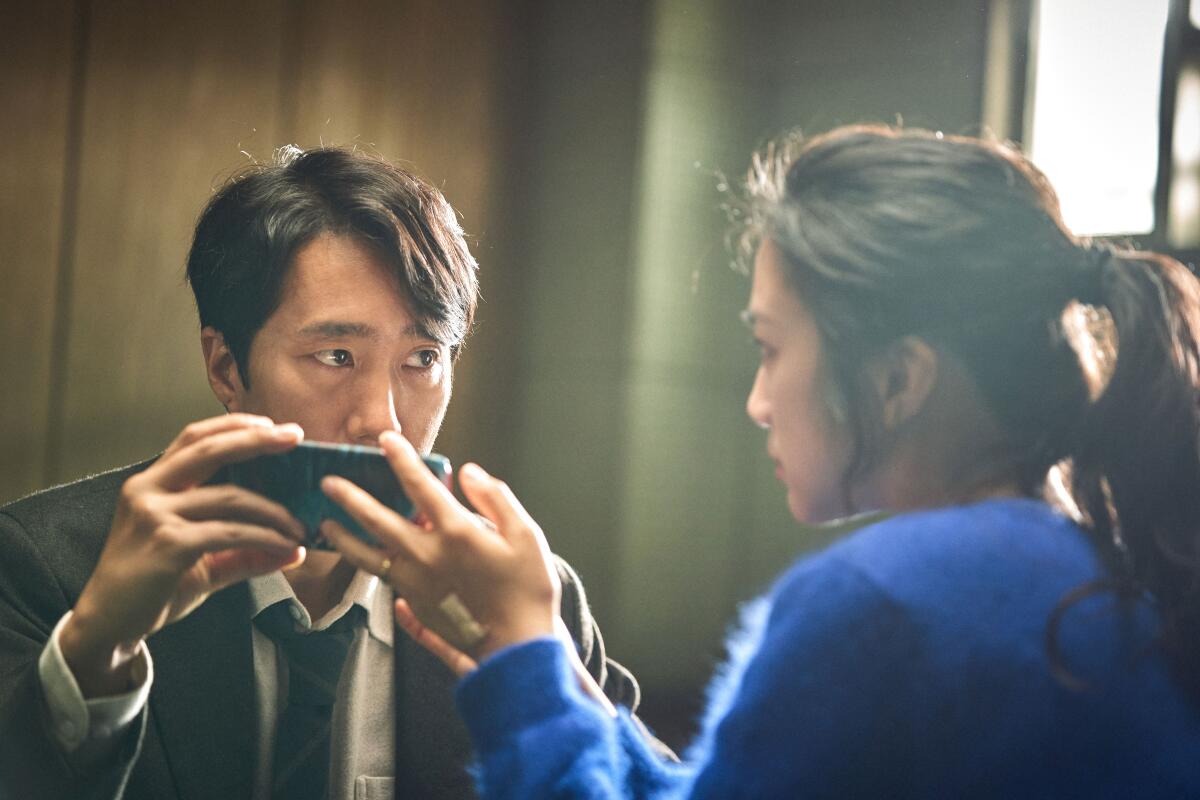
(909, 660)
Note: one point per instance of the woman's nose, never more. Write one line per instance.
(757, 407)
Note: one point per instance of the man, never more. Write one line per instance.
(137, 656)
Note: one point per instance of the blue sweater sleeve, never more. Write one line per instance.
(537, 735)
(797, 715)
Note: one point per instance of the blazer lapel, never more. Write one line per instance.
(204, 699)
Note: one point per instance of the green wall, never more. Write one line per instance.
(634, 449)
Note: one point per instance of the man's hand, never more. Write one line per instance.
(175, 541)
(498, 566)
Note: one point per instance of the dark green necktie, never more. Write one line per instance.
(300, 763)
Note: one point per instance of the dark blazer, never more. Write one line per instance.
(198, 737)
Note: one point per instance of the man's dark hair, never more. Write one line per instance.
(253, 227)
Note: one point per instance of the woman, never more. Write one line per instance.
(936, 344)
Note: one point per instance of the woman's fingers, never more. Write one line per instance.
(483, 492)
(428, 494)
(459, 662)
(498, 504)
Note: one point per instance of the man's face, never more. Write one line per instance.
(342, 354)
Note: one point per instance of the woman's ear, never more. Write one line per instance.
(223, 375)
(904, 376)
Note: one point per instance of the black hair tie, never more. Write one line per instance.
(1096, 259)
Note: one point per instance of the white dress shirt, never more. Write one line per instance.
(362, 751)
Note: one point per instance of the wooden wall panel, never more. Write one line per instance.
(418, 82)
(36, 39)
(408, 80)
(174, 92)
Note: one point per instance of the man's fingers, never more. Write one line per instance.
(459, 662)
(400, 572)
(428, 494)
(356, 551)
(228, 567)
(207, 427)
(393, 531)
(235, 503)
(197, 538)
(195, 463)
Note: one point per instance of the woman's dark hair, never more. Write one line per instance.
(1086, 354)
(253, 227)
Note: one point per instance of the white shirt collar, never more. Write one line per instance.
(365, 591)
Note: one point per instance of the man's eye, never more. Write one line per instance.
(334, 358)
(423, 359)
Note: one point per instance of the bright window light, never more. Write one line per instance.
(1183, 223)
(1096, 79)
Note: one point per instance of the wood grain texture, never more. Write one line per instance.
(409, 80)
(36, 39)
(417, 82)
(174, 92)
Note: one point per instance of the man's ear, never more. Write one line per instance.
(904, 375)
(223, 375)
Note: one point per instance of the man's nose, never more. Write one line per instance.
(374, 412)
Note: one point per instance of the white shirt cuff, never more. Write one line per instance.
(76, 721)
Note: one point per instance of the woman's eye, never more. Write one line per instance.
(765, 351)
(423, 359)
(335, 358)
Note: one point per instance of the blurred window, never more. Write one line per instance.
(1179, 189)
(1093, 125)
(1108, 105)
(1183, 204)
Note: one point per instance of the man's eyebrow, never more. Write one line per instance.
(356, 330)
(336, 329)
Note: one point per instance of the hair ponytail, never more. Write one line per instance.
(1134, 464)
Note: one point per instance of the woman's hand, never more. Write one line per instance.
(498, 567)
(460, 663)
